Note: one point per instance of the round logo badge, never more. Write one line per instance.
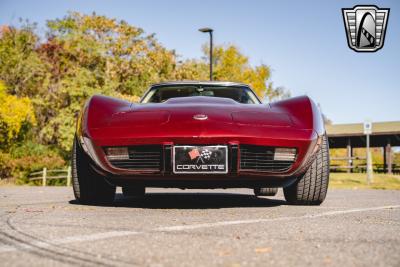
(200, 117)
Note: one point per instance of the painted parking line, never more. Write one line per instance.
(251, 221)
(177, 228)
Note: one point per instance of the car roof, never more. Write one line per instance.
(207, 83)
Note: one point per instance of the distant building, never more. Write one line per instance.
(384, 134)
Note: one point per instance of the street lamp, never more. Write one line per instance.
(210, 31)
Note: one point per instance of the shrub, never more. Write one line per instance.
(27, 158)
(6, 166)
(28, 164)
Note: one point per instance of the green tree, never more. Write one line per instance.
(84, 55)
(93, 54)
(21, 68)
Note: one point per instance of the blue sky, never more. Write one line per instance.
(303, 42)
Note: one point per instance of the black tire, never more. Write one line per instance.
(89, 187)
(312, 186)
(265, 191)
(133, 191)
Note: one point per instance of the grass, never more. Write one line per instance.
(359, 181)
(7, 182)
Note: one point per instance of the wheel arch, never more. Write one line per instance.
(304, 113)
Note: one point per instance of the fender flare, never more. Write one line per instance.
(304, 113)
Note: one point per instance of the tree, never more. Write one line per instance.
(21, 68)
(16, 117)
(45, 81)
(84, 55)
(93, 54)
(231, 65)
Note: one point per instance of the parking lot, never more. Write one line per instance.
(44, 226)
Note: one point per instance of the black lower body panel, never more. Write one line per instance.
(204, 184)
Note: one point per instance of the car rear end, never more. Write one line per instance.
(201, 141)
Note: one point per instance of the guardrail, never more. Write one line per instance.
(46, 174)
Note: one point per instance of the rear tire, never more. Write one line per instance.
(265, 191)
(133, 191)
(89, 187)
(311, 187)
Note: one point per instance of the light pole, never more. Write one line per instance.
(210, 31)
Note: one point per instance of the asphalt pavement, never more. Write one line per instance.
(44, 226)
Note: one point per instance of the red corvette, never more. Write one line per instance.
(200, 135)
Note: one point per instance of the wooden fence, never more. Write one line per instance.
(351, 166)
(46, 174)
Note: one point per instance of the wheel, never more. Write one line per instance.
(89, 187)
(133, 191)
(265, 191)
(312, 186)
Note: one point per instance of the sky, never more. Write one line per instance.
(304, 43)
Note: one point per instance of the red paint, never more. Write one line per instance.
(294, 122)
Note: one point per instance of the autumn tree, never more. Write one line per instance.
(16, 116)
(230, 64)
(82, 55)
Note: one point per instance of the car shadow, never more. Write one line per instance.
(191, 201)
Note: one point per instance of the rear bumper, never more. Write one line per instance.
(236, 177)
(204, 182)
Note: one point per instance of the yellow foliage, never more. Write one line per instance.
(232, 65)
(14, 113)
(130, 98)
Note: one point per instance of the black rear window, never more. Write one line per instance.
(239, 94)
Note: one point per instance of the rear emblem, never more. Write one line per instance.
(200, 117)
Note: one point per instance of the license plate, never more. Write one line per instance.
(200, 159)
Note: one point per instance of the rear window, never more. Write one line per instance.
(239, 94)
